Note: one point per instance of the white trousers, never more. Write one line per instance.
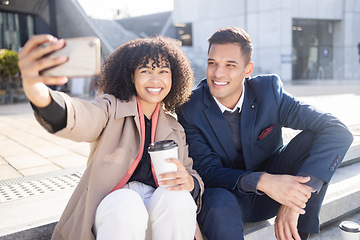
(138, 211)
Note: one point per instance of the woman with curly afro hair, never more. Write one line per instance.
(120, 196)
(117, 75)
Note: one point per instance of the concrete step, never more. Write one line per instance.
(35, 216)
(353, 154)
(34, 202)
(42, 232)
(332, 231)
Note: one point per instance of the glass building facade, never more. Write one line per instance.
(15, 29)
(312, 49)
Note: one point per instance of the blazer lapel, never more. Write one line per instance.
(219, 125)
(248, 116)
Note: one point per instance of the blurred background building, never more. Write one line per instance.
(298, 39)
(301, 40)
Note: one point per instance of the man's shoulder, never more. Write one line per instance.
(265, 79)
(200, 88)
(197, 95)
(264, 82)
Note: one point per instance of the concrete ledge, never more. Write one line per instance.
(40, 233)
(32, 213)
(343, 193)
(353, 154)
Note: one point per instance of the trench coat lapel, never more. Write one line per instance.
(129, 110)
(164, 126)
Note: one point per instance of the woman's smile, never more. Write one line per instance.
(154, 91)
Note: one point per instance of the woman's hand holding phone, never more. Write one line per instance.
(46, 60)
(32, 62)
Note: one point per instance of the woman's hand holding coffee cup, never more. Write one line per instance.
(179, 180)
(169, 170)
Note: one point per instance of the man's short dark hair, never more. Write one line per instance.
(233, 35)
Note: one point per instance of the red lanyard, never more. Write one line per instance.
(154, 119)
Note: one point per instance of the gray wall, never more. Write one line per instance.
(269, 22)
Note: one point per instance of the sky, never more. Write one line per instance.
(107, 9)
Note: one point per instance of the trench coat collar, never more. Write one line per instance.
(129, 109)
(126, 108)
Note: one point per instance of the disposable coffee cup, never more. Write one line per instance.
(349, 230)
(159, 152)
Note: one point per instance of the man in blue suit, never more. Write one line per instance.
(233, 125)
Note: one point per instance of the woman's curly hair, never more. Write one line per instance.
(119, 68)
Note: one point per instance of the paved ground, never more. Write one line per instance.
(28, 151)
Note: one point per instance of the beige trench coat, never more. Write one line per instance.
(112, 128)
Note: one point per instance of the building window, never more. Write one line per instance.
(312, 49)
(30, 25)
(184, 33)
(15, 29)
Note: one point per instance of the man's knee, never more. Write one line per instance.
(219, 202)
(222, 215)
(292, 156)
(218, 197)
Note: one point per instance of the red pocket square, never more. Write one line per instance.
(265, 132)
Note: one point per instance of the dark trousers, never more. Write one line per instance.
(224, 212)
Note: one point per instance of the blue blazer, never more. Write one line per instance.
(267, 107)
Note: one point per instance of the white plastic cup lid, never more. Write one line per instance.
(162, 145)
(349, 226)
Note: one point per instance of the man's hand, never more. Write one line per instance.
(287, 190)
(286, 224)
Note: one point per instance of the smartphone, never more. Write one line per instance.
(84, 58)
